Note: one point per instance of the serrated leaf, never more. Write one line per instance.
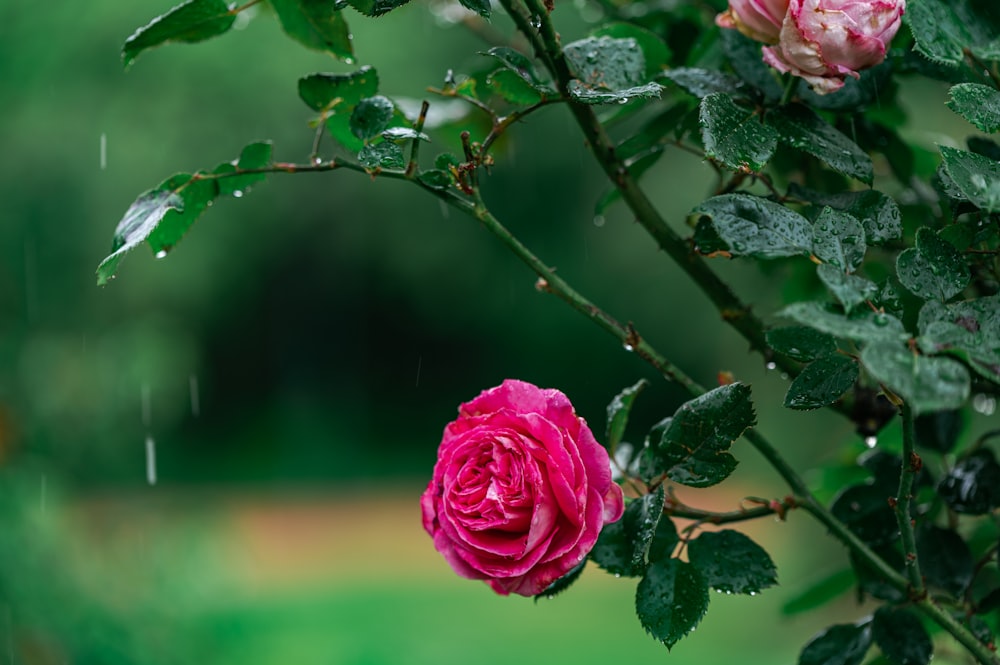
(316, 24)
(972, 486)
(138, 222)
(975, 176)
(842, 644)
(969, 329)
(671, 600)
(481, 7)
(516, 62)
(253, 157)
(753, 226)
(704, 82)
(733, 135)
(731, 562)
(188, 22)
(563, 582)
(977, 103)
(694, 448)
(822, 382)
(901, 636)
(371, 117)
(338, 93)
(605, 63)
(799, 127)
(513, 87)
(839, 239)
(384, 155)
(946, 562)
(198, 194)
(800, 342)
(436, 178)
(864, 510)
(862, 326)
(849, 290)
(587, 95)
(934, 269)
(622, 547)
(618, 411)
(928, 383)
(655, 51)
(944, 29)
(878, 213)
(404, 134)
(376, 7)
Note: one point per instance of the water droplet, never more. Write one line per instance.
(536, 23)
(599, 220)
(104, 151)
(984, 404)
(150, 460)
(628, 347)
(623, 100)
(162, 254)
(871, 441)
(753, 593)
(238, 194)
(618, 574)
(771, 365)
(317, 160)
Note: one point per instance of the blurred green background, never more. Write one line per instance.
(287, 370)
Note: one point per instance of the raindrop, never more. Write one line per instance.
(628, 347)
(445, 212)
(162, 254)
(771, 365)
(147, 408)
(241, 21)
(536, 22)
(623, 100)
(618, 574)
(871, 441)
(195, 397)
(317, 160)
(104, 151)
(753, 593)
(420, 361)
(238, 194)
(150, 460)
(984, 404)
(599, 220)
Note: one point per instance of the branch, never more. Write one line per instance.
(911, 464)
(675, 508)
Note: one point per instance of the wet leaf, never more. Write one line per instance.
(694, 447)
(371, 117)
(731, 562)
(400, 134)
(800, 342)
(928, 383)
(563, 582)
(704, 82)
(316, 24)
(943, 29)
(733, 135)
(744, 55)
(938, 431)
(197, 195)
(799, 127)
(436, 178)
(586, 95)
(975, 176)
(842, 644)
(622, 547)
(861, 326)
(969, 329)
(865, 510)
(376, 7)
(618, 411)
(839, 239)
(188, 22)
(972, 486)
(254, 156)
(338, 93)
(849, 290)
(901, 636)
(513, 88)
(516, 62)
(655, 51)
(946, 562)
(933, 269)
(384, 155)
(753, 226)
(879, 215)
(671, 600)
(977, 103)
(139, 221)
(822, 382)
(608, 71)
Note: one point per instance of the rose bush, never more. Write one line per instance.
(824, 41)
(757, 19)
(520, 491)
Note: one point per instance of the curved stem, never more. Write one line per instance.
(911, 464)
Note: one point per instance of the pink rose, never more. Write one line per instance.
(757, 19)
(824, 41)
(521, 489)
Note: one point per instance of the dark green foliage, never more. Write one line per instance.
(901, 637)
(801, 343)
(928, 383)
(623, 546)
(944, 29)
(843, 644)
(655, 51)
(731, 562)
(563, 583)
(671, 600)
(733, 135)
(753, 226)
(865, 510)
(316, 24)
(608, 71)
(938, 431)
(977, 178)
(376, 7)
(704, 82)
(384, 155)
(862, 326)
(972, 486)
(191, 21)
(371, 117)
(618, 410)
(822, 382)
(945, 559)
(933, 269)
(977, 103)
(802, 129)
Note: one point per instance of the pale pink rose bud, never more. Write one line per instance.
(824, 41)
(757, 19)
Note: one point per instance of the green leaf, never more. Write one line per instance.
(370, 117)
(622, 547)
(976, 177)
(316, 24)
(862, 326)
(800, 342)
(901, 636)
(400, 134)
(878, 213)
(618, 411)
(800, 127)
(376, 7)
(946, 562)
(744, 56)
(822, 382)
(254, 156)
(934, 269)
(839, 239)
(694, 447)
(977, 103)
(655, 51)
(938, 431)
(608, 71)
(518, 63)
(849, 290)
(753, 226)
(927, 383)
(969, 329)
(198, 194)
(731, 562)
(820, 592)
(671, 600)
(563, 582)
(972, 486)
(436, 179)
(139, 221)
(842, 644)
(384, 155)
(481, 7)
(338, 93)
(704, 82)
(871, 581)
(665, 540)
(587, 95)
(188, 22)
(733, 135)
(864, 510)
(944, 29)
(513, 88)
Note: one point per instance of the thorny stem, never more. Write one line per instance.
(675, 508)
(911, 464)
(411, 167)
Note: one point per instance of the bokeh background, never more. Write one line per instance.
(284, 375)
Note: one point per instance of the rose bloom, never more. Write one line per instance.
(824, 41)
(757, 19)
(520, 491)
